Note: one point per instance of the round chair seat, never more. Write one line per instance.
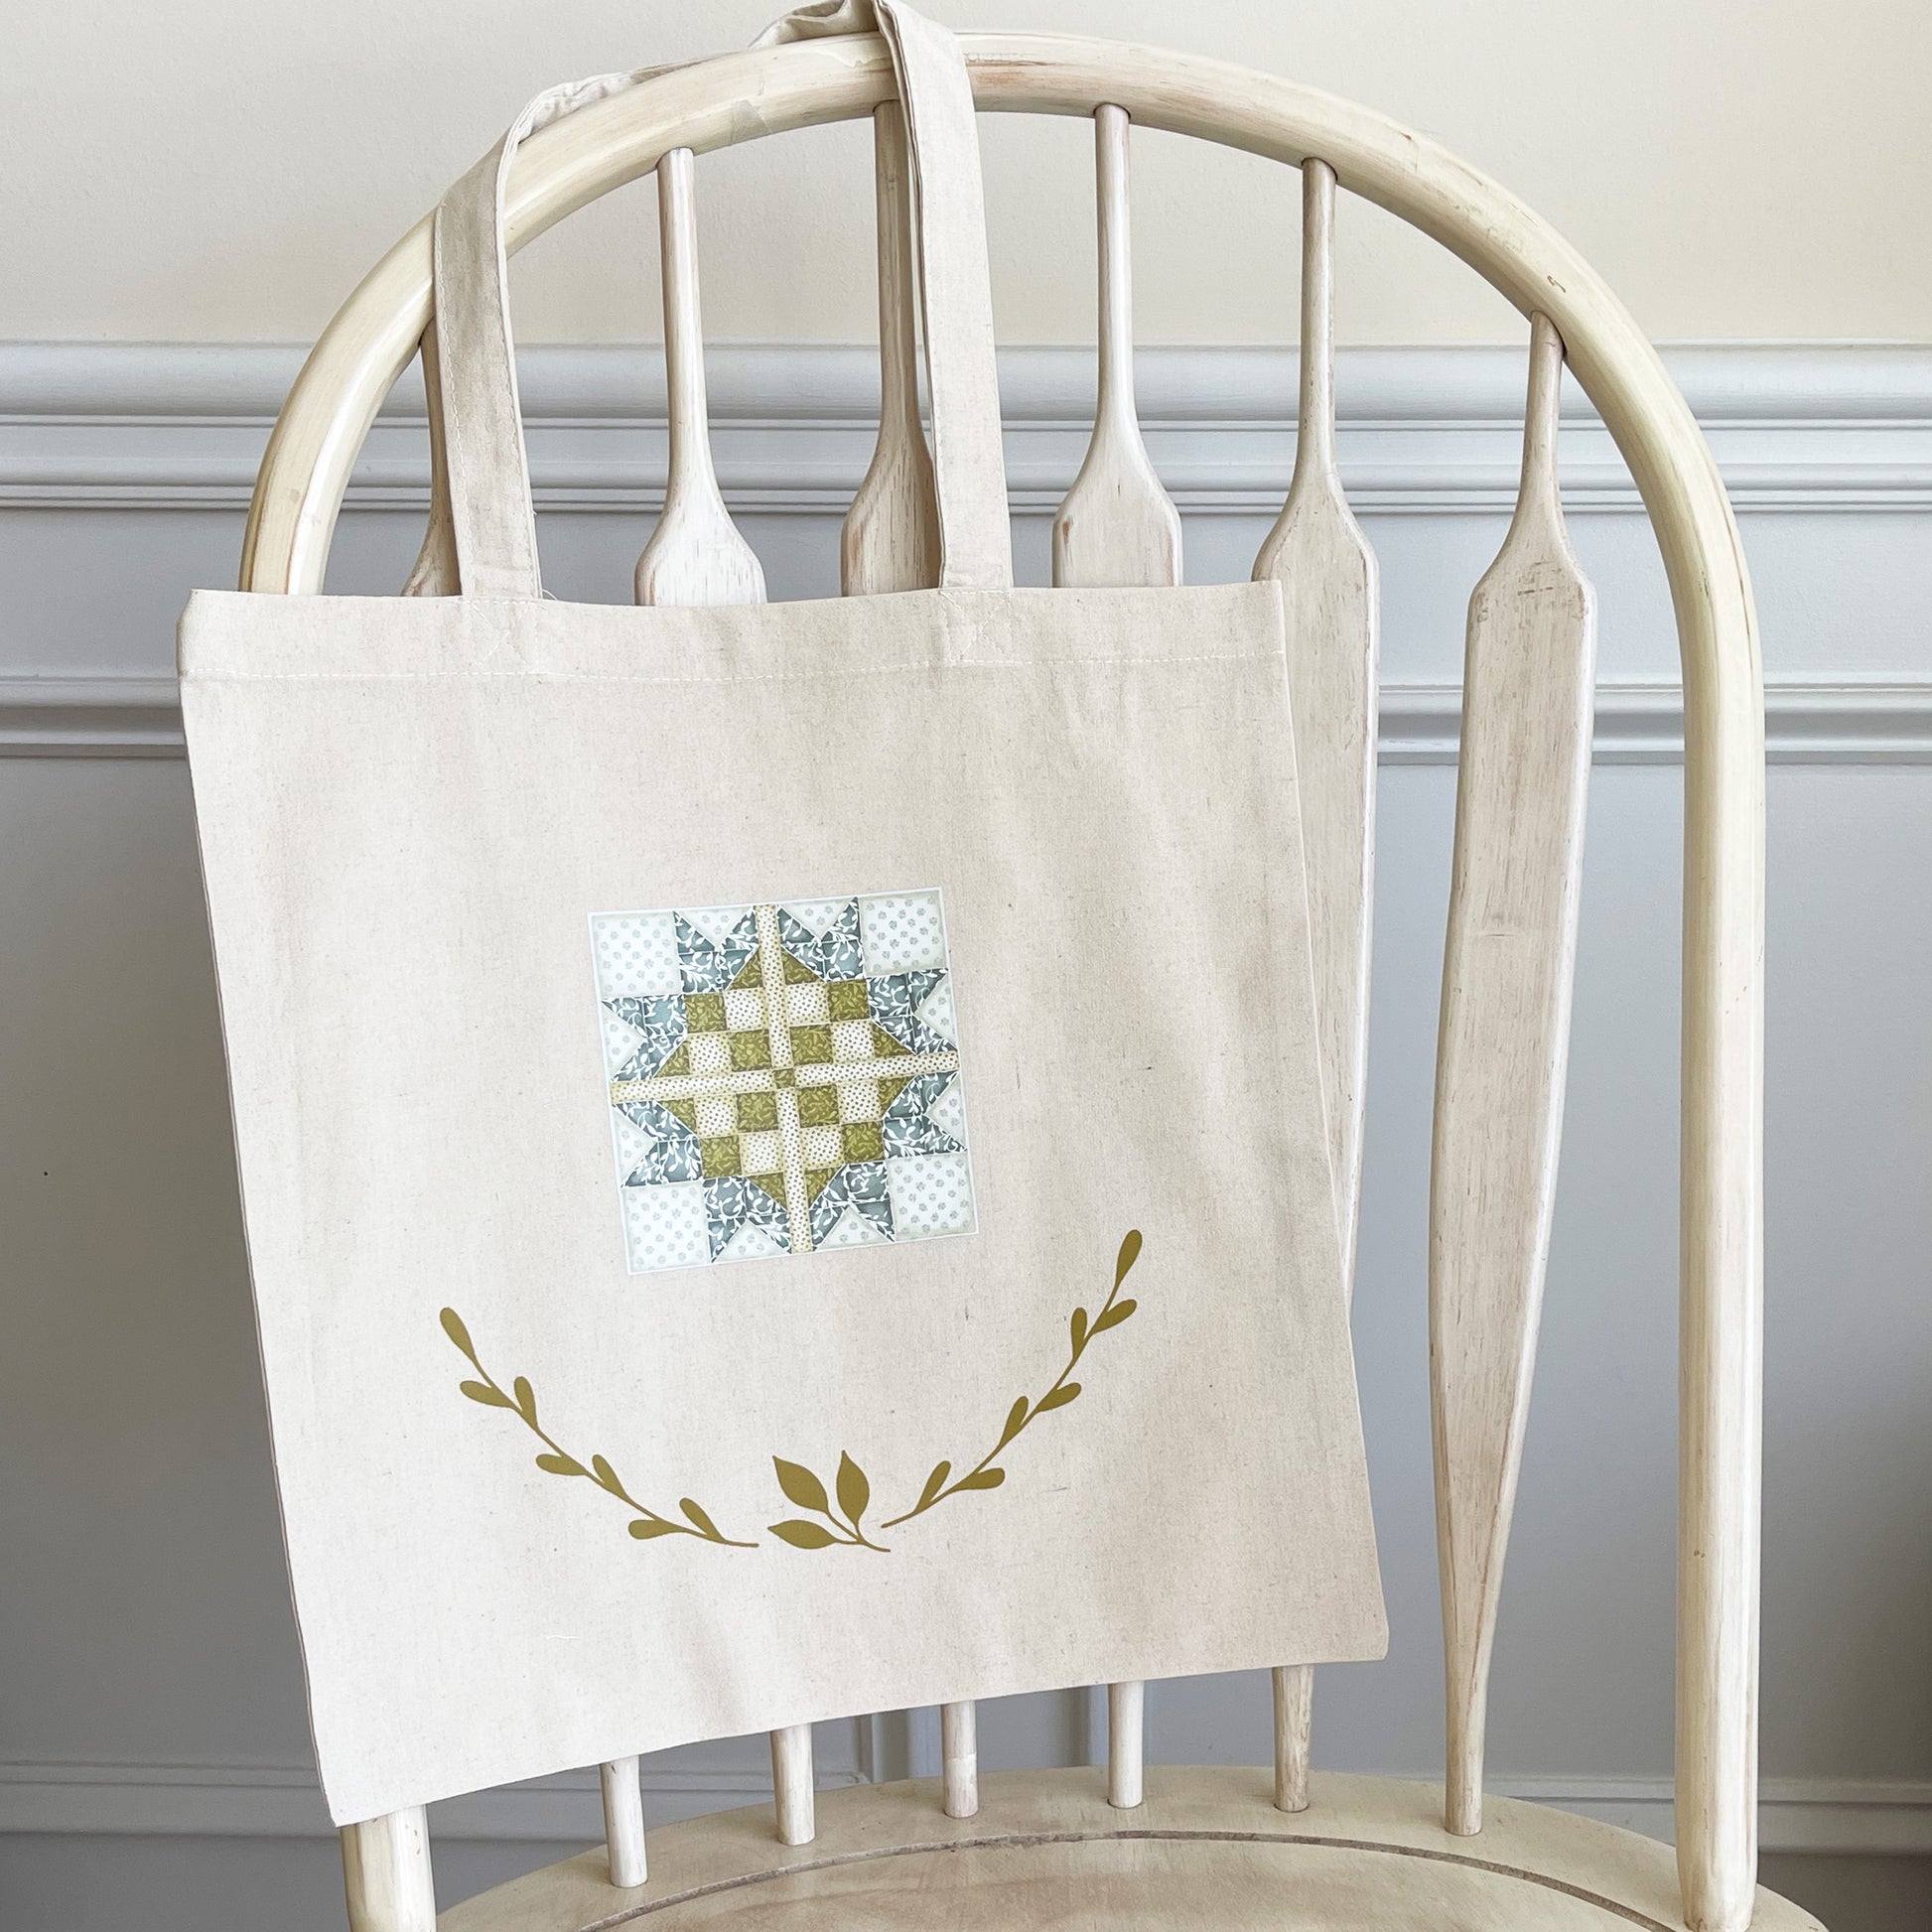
(1207, 1851)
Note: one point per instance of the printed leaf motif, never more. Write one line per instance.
(804, 1536)
(855, 1492)
(803, 1488)
(697, 1515)
(799, 1484)
(1081, 1329)
(936, 1482)
(556, 1460)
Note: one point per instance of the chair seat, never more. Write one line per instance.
(1207, 1851)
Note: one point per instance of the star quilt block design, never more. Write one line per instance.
(782, 1077)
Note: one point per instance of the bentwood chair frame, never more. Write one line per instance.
(777, 90)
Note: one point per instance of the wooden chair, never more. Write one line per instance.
(1234, 1848)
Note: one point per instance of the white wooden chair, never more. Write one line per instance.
(1234, 1848)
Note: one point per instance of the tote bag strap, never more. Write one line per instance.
(484, 474)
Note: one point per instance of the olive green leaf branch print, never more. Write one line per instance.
(986, 1474)
(805, 1489)
(557, 1460)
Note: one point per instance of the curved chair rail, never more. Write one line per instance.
(770, 90)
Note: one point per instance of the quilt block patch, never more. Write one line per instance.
(782, 1077)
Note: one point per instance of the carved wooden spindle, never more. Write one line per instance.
(1117, 525)
(1507, 973)
(695, 555)
(890, 537)
(1317, 554)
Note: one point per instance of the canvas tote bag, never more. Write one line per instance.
(781, 1146)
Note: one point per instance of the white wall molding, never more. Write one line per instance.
(1808, 721)
(236, 1800)
(1817, 428)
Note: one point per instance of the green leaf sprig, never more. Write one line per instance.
(557, 1460)
(802, 1487)
(986, 1474)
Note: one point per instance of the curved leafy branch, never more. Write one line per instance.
(557, 1460)
(808, 1492)
(986, 1474)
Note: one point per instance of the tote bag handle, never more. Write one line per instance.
(492, 522)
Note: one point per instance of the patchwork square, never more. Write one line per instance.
(704, 1013)
(811, 1046)
(707, 1053)
(781, 1077)
(805, 1004)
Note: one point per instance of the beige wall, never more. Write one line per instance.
(226, 168)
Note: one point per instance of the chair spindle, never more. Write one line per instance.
(1126, 1745)
(1318, 555)
(890, 537)
(1117, 524)
(1508, 968)
(386, 1873)
(793, 1786)
(695, 555)
(624, 1822)
(1293, 1696)
(959, 1760)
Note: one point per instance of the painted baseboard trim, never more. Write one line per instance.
(1801, 1815)
(1637, 723)
(1795, 427)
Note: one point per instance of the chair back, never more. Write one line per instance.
(1521, 789)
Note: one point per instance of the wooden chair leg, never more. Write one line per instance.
(624, 1822)
(792, 1784)
(959, 1757)
(386, 1873)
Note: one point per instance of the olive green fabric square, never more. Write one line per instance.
(849, 999)
(752, 1050)
(757, 1110)
(784, 1076)
(864, 1141)
(704, 1013)
(720, 1156)
(818, 1107)
(811, 1046)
